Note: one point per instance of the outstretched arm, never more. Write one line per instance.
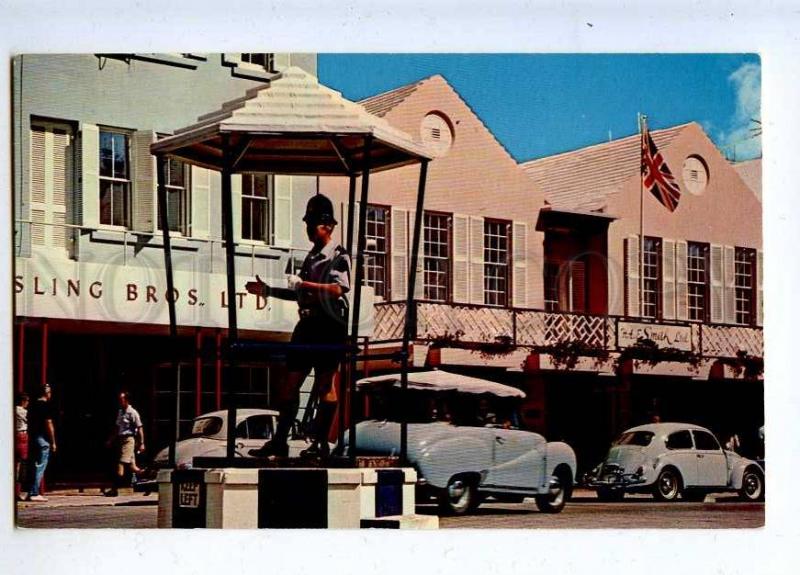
(258, 287)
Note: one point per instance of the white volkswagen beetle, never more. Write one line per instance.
(671, 460)
(464, 441)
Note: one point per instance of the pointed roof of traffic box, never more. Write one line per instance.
(583, 179)
(293, 125)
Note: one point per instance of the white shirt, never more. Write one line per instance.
(20, 419)
(128, 421)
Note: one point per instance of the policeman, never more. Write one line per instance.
(320, 290)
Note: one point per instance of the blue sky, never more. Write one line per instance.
(542, 104)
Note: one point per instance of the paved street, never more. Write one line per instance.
(584, 511)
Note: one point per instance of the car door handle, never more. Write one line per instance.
(500, 440)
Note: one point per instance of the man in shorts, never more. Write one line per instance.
(128, 439)
(320, 291)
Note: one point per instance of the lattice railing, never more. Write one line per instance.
(726, 341)
(530, 328)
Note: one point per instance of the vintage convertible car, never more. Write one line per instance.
(464, 441)
(671, 460)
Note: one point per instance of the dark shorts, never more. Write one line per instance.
(318, 329)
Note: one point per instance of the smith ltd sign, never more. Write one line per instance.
(673, 336)
(66, 289)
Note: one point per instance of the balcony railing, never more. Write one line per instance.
(476, 325)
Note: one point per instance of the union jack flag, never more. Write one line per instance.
(656, 176)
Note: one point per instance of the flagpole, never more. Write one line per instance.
(641, 120)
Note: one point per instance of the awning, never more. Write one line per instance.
(293, 125)
(437, 380)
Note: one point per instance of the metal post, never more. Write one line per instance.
(230, 261)
(344, 382)
(408, 327)
(173, 325)
(356, 311)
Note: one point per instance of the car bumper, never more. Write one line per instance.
(615, 481)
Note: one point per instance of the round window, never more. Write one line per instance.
(436, 133)
(695, 175)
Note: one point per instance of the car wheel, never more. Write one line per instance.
(610, 495)
(752, 486)
(560, 490)
(668, 486)
(460, 496)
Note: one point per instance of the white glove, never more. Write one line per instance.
(294, 282)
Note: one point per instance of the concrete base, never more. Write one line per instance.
(290, 497)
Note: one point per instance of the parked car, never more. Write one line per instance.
(671, 460)
(208, 438)
(465, 442)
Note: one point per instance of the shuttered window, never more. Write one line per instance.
(551, 286)
(178, 197)
(697, 280)
(256, 205)
(52, 163)
(376, 251)
(496, 267)
(744, 264)
(115, 179)
(437, 256)
(651, 277)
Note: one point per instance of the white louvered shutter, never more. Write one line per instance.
(236, 206)
(200, 182)
(717, 288)
(399, 253)
(668, 279)
(419, 278)
(460, 258)
(51, 174)
(145, 182)
(681, 286)
(729, 271)
(282, 219)
(760, 287)
(632, 276)
(520, 254)
(90, 175)
(476, 272)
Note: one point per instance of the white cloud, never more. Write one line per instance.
(739, 140)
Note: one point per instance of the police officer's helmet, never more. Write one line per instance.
(319, 210)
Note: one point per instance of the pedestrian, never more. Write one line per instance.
(20, 441)
(320, 290)
(126, 440)
(42, 441)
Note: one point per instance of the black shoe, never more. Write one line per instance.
(317, 450)
(111, 493)
(270, 449)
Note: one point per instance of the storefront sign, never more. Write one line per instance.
(672, 336)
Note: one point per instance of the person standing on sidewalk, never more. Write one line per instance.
(42, 439)
(20, 441)
(127, 440)
(320, 291)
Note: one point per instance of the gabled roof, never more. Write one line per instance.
(294, 125)
(750, 172)
(583, 179)
(382, 103)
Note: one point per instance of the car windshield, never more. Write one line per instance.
(205, 426)
(640, 438)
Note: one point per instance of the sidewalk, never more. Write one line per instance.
(90, 497)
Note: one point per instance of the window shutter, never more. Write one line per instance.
(399, 253)
(37, 161)
(577, 286)
(730, 284)
(419, 278)
(236, 206)
(668, 279)
(200, 181)
(520, 255)
(51, 183)
(282, 222)
(90, 175)
(632, 276)
(760, 287)
(145, 182)
(460, 258)
(681, 287)
(37, 230)
(476, 292)
(717, 288)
